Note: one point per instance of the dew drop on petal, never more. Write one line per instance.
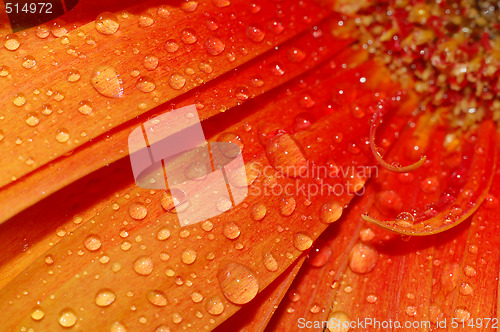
(32, 120)
(12, 42)
(92, 242)
(107, 82)
(146, 20)
(107, 23)
(37, 313)
(331, 212)
(171, 46)
(258, 211)
(19, 99)
(157, 298)
(231, 230)
(163, 234)
(117, 327)
(29, 62)
(4, 71)
(85, 107)
(137, 211)
(105, 297)
(287, 206)
(214, 306)
(362, 258)
(270, 262)
(221, 3)
(150, 62)
(145, 84)
(42, 31)
(341, 320)
(302, 241)
(62, 135)
(255, 34)
(285, 155)
(143, 265)
(188, 36)
(238, 283)
(405, 219)
(67, 318)
(188, 256)
(177, 81)
(214, 46)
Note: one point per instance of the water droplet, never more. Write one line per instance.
(287, 206)
(366, 234)
(157, 298)
(146, 20)
(342, 322)
(362, 258)
(462, 314)
(46, 109)
(4, 71)
(150, 62)
(469, 271)
(214, 306)
(189, 6)
(465, 289)
(223, 204)
(145, 84)
(320, 256)
(105, 297)
(411, 311)
(371, 298)
(42, 31)
(29, 62)
(238, 283)
(32, 119)
(19, 99)
(176, 318)
(137, 211)
(188, 36)
(214, 46)
(405, 219)
(331, 212)
(258, 211)
(107, 82)
(85, 107)
(171, 46)
(37, 313)
(67, 318)
(92, 242)
(163, 234)
(117, 327)
(11, 42)
(296, 55)
(275, 26)
(255, 34)
(231, 230)
(277, 69)
(163, 11)
(302, 241)
(450, 276)
(188, 256)
(257, 81)
(177, 81)
(221, 3)
(242, 93)
(107, 23)
(73, 76)
(270, 262)
(58, 30)
(285, 155)
(62, 135)
(143, 265)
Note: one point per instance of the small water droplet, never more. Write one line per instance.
(462, 314)
(331, 212)
(362, 258)
(157, 298)
(37, 313)
(67, 318)
(171, 46)
(93, 242)
(238, 283)
(287, 206)
(143, 265)
(145, 84)
(42, 31)
(231, 230)
(221, 3)
(465, 289)
(105, 297)
(85, 107)
(188, 256)
(176, 318)
(19, 99)
(320, 256)
(189, 6)
(107, 23)
(29, 62)
(177, 81)
(302, 241)
(270, 262)
(150, 62)
(4, 71)
(73, 76)
(405, 219)
(188, 36)
(214, 306)
(214, 46)
(255, 34)
(32, 120)
(12, 42)
(62, 135)
(296, 55)
(342, 322)
(146, 20)
(137, 211)
(107, 82)
(285, 155)
(258, 211)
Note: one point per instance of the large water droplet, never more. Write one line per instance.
(107, 23)
(105, 297)
(362, 258)
(107, 82)
(258, 211)
(19, 99)
(238, 283)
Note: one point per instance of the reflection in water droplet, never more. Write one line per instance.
(67, 318)
(157, 298)
(107, 23)
(362, 258)
(107, 82)
(214, 306)
(105, 297)
(143, 265)
(137, 211)
(302, 241)
(238, 283)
